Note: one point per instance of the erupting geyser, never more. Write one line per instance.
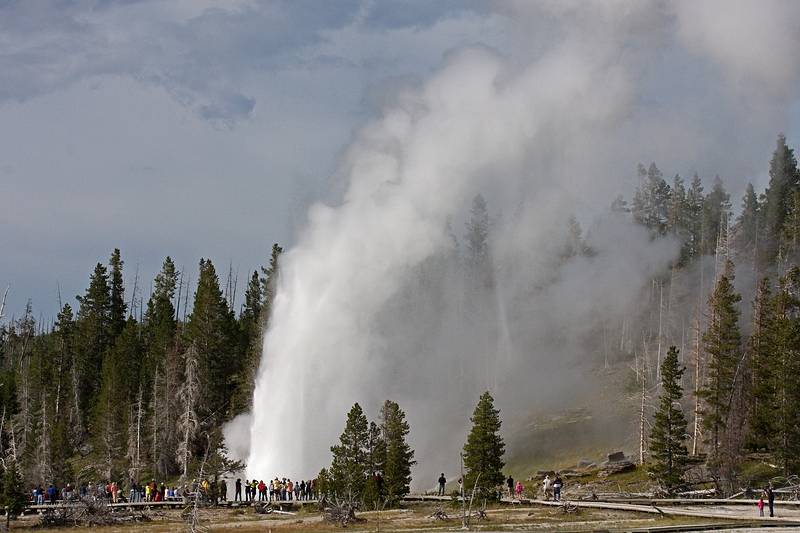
(378, 300)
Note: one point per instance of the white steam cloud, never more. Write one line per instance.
(378, 298)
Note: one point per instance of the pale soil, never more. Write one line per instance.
(414, 518)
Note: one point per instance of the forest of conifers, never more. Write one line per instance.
(121, 386)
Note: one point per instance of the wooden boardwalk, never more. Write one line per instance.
(283, 505)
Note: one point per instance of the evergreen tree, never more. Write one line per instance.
(376, 462)
(483, 452)
(783, 181)
(695, 200)
(119, 382)
(250, 336)
(348, 472)
(160, 324)
(66, 408)
(677, 218)
(722, 343)
(763, 356)
(787, 368)
(269, 283)
(669, 428)
(477, 237)
(14, 497)
(107, 421)
(399, 455)
(93, 336)
(747, 222)
(716, 213)
(118, 307)
(210, 329)
(676, 213)
(651, 201)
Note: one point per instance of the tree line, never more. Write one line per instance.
(745, 395)
(105, 394)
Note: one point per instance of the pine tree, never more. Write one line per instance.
(161, 347)
(93, 336)
(118, 307)
(160, 323)
(250, 335)
(210, 329)
(66, 397)
(722, 342)
(376, 462)
(477, 237)
(676, 213)
(783, 181)
(695, 200)
(399, 455)
(269, 282)
(787, 368)
(746, 229)
(651, 202)
(763, 354)
(669, 431)
(716, 213)
(107, 420)
(14, 497)
(483, 452)
(348, 472)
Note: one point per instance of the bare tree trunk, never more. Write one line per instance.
(641, 423)
(155, 421)
(78, 421)
(660, 331)
(43, 453)
(188, 423)
(3, 302)
(698, 373)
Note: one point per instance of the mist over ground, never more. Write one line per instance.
(388, 294)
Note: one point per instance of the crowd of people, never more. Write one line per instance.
(278, 489)
(113, 492)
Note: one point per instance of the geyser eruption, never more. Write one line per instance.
(371, 304)
(412, 289)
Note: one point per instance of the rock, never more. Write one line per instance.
(616, 468)
(585, 463)
(616, 457)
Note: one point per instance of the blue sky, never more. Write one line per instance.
(205, 129)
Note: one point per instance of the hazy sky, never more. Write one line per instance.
(205, 129)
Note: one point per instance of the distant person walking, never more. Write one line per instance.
(510, 484)
(237, 497)
(761, 506)
(442, 483)
(518, 489)
(557, 484)
(546, 486)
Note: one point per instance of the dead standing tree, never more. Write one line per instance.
(189, 394)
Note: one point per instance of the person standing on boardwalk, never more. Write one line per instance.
(510, 484)
(771, 500)
(237, 496)
(442, 483)
(557, 484)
